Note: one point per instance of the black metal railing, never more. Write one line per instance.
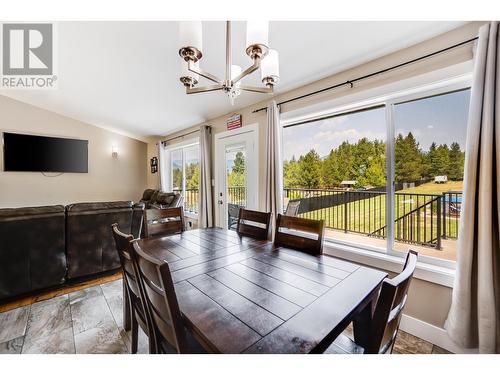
(423, 219)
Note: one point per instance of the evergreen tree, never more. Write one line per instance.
(310, 170)
(441, 161)
(239, 163)
(456, 162)
(409, 159)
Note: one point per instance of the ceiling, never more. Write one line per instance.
(125, 75)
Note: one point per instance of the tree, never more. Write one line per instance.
(310, 170)
(409, 161)
(456, 160)
(239, 163)
(441, 162)
(291, 172)
(193, 176)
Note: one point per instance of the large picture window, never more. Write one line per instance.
(347, 171)
(184, 174)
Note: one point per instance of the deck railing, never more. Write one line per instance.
(423, 219)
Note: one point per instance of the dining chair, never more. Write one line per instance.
(133, 305)
(162, 307)
(384, 325)
(253, 224)
(164, 221)
(292, 208)
(300, 234)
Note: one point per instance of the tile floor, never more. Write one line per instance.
(90, 321)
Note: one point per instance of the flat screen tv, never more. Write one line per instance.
(32, 153)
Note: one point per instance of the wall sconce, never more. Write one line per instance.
(114, 152)
(154, 164)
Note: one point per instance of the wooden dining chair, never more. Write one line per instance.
(254, 224)
(164, 221)
(133, 306)
(162, 307)
(384, 325)
(300, 234)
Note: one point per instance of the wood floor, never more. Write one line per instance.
(87, 318)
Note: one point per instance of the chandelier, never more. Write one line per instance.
(256, 48)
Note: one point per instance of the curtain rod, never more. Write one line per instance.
(179, 136)
(352, 81)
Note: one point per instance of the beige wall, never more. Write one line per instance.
(123, 178)
(428, 301)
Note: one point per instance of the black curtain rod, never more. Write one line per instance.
(352, 81)
(180, 136)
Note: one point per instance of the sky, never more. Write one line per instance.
(440, 119)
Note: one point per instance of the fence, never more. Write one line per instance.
(423, 219)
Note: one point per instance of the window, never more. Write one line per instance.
(184, 174)
(381, 192)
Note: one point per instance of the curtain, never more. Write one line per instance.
(163, 173)
(205, 212)
(274, 165)
(474, 317)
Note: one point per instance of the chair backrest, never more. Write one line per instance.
(390, 304)
(254, 224)
(292, 208)
(301, 234)
(162, 306)
(163, 221)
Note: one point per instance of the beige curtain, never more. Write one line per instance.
(205, 210)
(163, 183)
(474, 317)
(274, 165)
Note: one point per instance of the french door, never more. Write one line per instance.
(236, 171)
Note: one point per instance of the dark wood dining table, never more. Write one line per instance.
(240, 295)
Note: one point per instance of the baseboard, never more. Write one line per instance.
(431, 333)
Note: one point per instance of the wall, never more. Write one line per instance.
(428, 301)
(108, 179)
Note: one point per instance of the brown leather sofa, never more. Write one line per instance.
(158, 199)
(90, 247)
(43, 247)
(32, 249)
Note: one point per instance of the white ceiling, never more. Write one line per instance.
(124, 75)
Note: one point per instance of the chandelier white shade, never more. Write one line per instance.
(257, 48)
(257, 33)
(269, 68)
(190, 33)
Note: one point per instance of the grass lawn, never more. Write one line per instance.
(432, 188)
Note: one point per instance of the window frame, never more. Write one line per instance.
(412, 93)
(182, 146)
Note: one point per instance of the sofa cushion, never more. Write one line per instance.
(165, 199)
(90, 246)
(32, 249)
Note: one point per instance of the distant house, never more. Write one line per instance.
(440, 179)
(348, 183)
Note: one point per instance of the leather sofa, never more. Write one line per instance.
(43, 247)
(153, 198)
(32, 249)
(90, 247)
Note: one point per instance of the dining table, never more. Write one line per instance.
(242, 295)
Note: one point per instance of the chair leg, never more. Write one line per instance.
(126, 308)
(135, 334)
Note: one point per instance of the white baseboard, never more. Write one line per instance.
(433, 334)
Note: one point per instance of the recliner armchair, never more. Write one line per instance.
(158, 199)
